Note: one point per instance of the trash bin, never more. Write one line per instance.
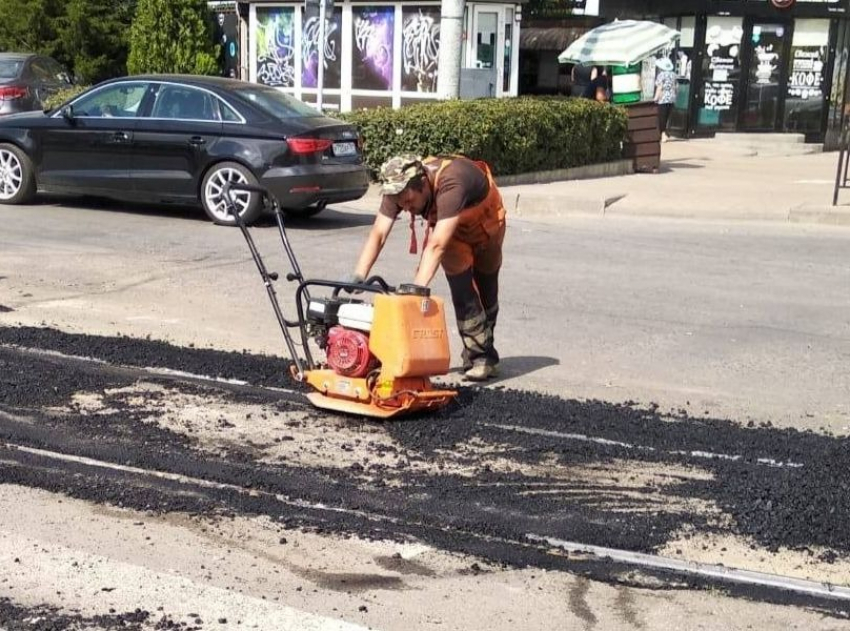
(643, 142)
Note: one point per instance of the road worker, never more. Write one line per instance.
(464, 217)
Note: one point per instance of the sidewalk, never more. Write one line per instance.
(698, 179)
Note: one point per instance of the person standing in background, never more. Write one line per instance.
(666, 87)
(598, 89)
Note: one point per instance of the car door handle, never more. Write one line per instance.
(120, 136)
(197, 141)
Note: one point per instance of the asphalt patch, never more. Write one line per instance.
(760, 495)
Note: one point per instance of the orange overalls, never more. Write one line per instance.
(471, 262)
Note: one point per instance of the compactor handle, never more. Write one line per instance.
(366, 285)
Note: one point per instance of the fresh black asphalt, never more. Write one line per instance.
(485, 515)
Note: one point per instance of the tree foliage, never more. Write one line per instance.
(30, 26)
(88, 37)
(172, 36)
(95, 36)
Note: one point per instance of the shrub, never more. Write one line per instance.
(513, 135)
(63, 96)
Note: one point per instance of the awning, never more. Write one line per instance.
(619, 43)
(556, 39)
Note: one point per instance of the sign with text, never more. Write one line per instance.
(805, 80)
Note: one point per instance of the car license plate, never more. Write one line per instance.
(345, 149)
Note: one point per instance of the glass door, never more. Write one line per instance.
(485, 45)
(719, 96)
(805, 94)
(765, 63)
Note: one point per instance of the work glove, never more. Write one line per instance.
(353, 278)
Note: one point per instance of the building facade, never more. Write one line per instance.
(380, 53)
(754, 65)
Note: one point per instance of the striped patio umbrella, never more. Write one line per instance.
(619, 43)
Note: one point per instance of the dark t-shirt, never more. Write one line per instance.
(461, 185)
(601, 81)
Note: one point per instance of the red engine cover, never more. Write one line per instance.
(348, 352)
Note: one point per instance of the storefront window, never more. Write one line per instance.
(275, 35)
(377, 49)
(721, 73)
(310, 51)
(420, 48)
(804, 97)
(372, 58)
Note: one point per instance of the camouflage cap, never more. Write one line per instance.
(398, 171)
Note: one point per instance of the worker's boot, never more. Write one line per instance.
(466, 363)
(481, 372)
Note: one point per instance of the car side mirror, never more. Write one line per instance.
(68, 113)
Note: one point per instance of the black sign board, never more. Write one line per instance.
(758, 8)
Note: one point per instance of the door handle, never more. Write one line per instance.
(120, 136)
(197, 141)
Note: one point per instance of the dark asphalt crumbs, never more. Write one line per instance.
(802, 508)
(16, 618)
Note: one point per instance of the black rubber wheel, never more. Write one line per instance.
(17, 176)
(250, 204)
(305, 213)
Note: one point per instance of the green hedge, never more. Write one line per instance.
(513, 135)
(62, 96)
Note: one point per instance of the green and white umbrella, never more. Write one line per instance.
(619, 43)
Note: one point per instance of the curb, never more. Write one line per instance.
(833, 215)
(586, 172)
(604, 169)
(520, 205)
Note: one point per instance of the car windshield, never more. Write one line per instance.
(9, 68)
(275, 102)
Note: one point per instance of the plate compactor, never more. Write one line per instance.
(380, 352)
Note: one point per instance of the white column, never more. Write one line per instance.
(451, 39)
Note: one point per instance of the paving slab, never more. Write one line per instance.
(698, 179)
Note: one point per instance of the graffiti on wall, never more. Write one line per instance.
(276, 46)
(372, 61)
(310, 51)
(421, 49)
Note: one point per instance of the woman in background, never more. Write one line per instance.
(666, 86)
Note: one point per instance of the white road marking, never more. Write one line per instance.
(770, 462)
(722, 572)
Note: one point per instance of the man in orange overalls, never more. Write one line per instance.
(465, 227)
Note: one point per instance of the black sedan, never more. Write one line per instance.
(169, 138)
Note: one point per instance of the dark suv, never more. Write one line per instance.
(26, 80)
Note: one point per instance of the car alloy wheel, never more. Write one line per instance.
(11, 175)
(214, 194)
